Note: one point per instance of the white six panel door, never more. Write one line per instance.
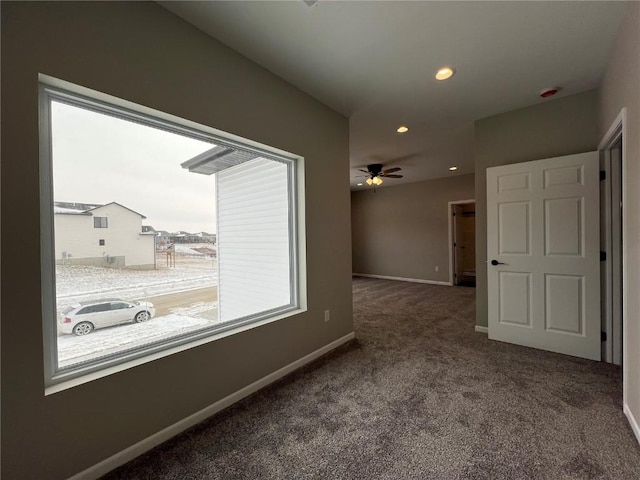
(543, 229)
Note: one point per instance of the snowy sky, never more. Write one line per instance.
(100, 159)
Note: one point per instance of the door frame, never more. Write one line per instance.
(610, 243)
(451, 235)
(619, 128)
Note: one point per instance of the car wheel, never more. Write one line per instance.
(83, 328)
(142, 317)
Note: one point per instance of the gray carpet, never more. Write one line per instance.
(418, 395)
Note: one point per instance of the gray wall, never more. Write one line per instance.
(549, 129)
(402, 231)
(142, 53)
(621, 88)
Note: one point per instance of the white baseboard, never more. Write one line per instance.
(401, 279)
(482, 329)
(632, 421)
(120, 458)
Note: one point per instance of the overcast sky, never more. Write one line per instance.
(100, 159)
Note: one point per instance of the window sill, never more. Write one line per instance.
(113, 369)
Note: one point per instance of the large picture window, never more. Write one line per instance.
(156, 233)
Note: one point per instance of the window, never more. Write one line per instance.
(102, 307)
(229, 208)
(120, 305)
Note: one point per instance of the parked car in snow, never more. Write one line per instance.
(83, 318)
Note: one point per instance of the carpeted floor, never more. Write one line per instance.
(418, 395)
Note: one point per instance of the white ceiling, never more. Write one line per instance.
(374, 62)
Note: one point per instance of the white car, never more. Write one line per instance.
(83, 318)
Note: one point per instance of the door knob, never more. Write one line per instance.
(496, 262)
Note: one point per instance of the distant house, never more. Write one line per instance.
(185, 237)
(206, 237)
(163, 238)
(180, 237)
(108, 235)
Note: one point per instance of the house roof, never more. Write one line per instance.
(119, 205)
(216, 159)
(72, 208)
(69, 211)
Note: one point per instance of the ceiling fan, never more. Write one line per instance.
(376, 173)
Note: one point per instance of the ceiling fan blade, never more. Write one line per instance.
(393, 176)
(365, 171)
(391, 170)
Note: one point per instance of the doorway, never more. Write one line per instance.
(462, 247)
(612, 245)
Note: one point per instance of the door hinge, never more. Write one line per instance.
(455, 244)
(603, 175)
(603, 256)
(454, 214)
(603, 336)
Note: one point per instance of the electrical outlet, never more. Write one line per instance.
(437, 268)
(327, 316)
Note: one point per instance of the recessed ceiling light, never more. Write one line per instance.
(359, 184)
(444, 73)
(402, 129)
(453, 169)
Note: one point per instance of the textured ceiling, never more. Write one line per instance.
(374, 62)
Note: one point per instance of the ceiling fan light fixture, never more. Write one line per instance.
(376, 171)
(444, 73)
(402, 129)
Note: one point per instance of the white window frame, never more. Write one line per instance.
(60, 379)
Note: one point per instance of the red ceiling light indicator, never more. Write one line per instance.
(549, 92)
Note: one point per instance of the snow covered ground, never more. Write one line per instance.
(78, 283)
(186, 250)
(107, 341)
(75, 283)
